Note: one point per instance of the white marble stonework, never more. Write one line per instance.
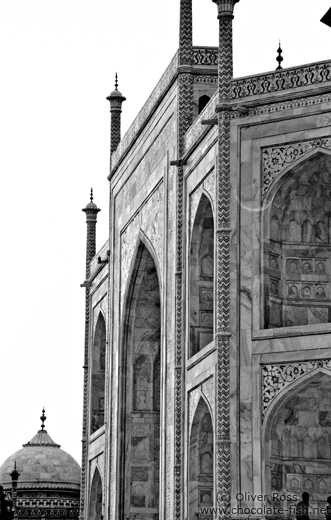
(175, 281)
(208, 185)
(149, 219)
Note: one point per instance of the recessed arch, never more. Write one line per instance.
(203, 102)
(274, 184)
(96, 497)
(139, 395)
(201, 277)
(297, 245)
(201, 460)
(297, 437)
(98, 357)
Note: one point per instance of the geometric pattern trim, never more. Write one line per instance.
(276, 158)
(277, 377)
(241, 88)
(284, 80)
(222, 422)
(205, 55)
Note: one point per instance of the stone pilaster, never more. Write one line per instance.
(91, 211)
(223, 230)
(184, 117)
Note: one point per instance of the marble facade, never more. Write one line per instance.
(279, 301)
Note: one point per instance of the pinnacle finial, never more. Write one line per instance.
(116, 81)
(91, 195)
(279, 57)
(43, 419)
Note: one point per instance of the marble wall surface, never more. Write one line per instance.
(280, 298)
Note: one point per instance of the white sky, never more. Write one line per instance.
(58, 60)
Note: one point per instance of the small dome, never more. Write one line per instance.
(42, 461)
(115, 93)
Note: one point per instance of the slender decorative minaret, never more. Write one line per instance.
(184, 119)
(91, 211)
(115, 99)
(223, 230)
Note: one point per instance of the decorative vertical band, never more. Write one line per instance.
(225, 72)
(185, 33)
(225, 62)
(184, 119)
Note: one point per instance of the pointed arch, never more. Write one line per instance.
(297, 245)
(141, 240)
(139, 392)
(98, 356)
(201, 281)
(201, 460)
(96, 497)
(274, 185)
(301, 417)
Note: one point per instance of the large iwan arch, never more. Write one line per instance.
(140, 392)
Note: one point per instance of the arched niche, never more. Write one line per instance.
(201, 281)
(95, 502)
(297, 442)
(98, 375)
(140, 392)
(203, 102)
(201, 461)
(297, 246)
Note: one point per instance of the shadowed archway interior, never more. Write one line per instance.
(298, 443)
(95, 508)
(98, 375)
(201, 461)
(297, 249)
(140, 401)
(201, 263)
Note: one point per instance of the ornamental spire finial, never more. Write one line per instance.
(91, 195)
(279, 57)
(116, 81)
(43, 419)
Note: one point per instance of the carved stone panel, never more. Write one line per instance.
(276, 158)
(277, 377)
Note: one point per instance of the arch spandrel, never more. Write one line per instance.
(142, 225)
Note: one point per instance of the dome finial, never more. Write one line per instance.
(116, 81)
(91, 195)
(279, 57)
(43, 419)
